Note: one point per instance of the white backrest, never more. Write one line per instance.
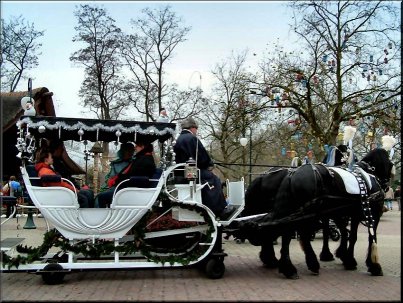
(49, 196)
(137, 197)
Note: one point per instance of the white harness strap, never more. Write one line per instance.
(365, 176)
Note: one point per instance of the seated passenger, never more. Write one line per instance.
(125, 156)
(142, 165)
(44, 167)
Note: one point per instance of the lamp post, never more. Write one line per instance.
(96, 149)
(86, 158)
(243, 141)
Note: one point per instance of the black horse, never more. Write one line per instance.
(295, 199)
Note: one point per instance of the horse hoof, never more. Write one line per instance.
(326, 257)
(375, 270)
(292, 277)
(315, 272)
(350, 267)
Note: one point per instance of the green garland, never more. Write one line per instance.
(104, 247)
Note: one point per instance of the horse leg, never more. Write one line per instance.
(325, 254)
(341, 251)
(349, 261)
(285, 266)
(372, 260)
(310, 256)
(267, 254)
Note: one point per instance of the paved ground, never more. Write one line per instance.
(245, 278)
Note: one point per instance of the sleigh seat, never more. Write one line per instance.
(60, 207)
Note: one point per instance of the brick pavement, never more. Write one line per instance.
(245, 278)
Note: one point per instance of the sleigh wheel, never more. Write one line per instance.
(215, 268)
(53, 274)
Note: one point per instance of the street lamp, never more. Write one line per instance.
(243, 141)
(96, 149)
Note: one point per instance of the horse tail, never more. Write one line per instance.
(374, 253)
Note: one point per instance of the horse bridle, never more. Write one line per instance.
(371, 169)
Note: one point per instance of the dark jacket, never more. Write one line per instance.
(185, 148)
(142, 165)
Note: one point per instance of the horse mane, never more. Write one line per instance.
(379, 159)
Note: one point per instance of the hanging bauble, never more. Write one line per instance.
(357, 50)
(380, 72)
(390, 45)
(365, 68)
(368, 78)
(283, 151)
(333, 62)
(385, 60)
(315, 79)
(350, 80)
(303, 82)
(371, 58)
(118, 133)
(41, 129)
(80, 133)
(329, 63)
(324, 59)
(386, 52)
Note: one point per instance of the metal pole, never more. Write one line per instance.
(86, 168)
(250, 157)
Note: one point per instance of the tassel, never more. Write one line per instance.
(374, 253)
(349, 132)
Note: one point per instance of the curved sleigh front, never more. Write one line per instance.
(60, 206)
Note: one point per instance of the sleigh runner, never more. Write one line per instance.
(130, 233)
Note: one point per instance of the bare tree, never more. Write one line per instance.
(232, 113)
(146, 52)
(103, 89)
(19, 51)
(348, 71)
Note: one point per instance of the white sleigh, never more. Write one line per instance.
(60, 207)
(195, 232)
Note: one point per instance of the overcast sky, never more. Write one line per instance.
(218, 27)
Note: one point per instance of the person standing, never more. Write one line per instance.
(189, 146)
(389, 196)
(397, 197)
